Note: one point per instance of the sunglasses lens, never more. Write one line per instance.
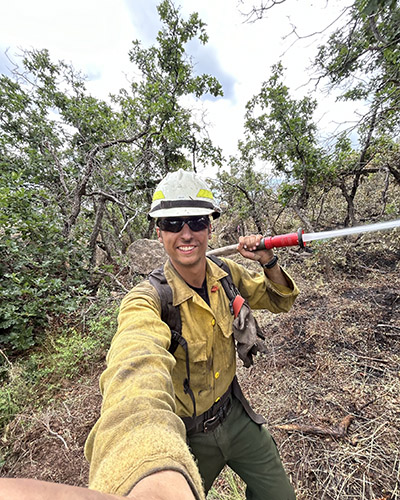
(171, 225)
(198, 224)
(176, 225)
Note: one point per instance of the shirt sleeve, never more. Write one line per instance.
(138, 432)
(262, 293)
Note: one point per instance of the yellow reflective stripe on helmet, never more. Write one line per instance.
(205, 193)
(158, 195)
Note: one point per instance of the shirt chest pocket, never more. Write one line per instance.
(225, 325)
(198, 363)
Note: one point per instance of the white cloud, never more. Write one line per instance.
(95, 36)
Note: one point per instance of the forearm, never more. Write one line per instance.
(276, 275)
(31, 489)
(165, 485)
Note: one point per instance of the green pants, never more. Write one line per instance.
(249, 450)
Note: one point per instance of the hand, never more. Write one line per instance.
(247, 246)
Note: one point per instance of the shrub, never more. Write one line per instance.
(41, 274)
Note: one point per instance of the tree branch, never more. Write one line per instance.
(80, 189)
(339, 431)
(110, 197)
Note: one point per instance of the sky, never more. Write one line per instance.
(95, 36)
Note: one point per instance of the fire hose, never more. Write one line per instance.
(300, 238)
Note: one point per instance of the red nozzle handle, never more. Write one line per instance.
(282, 240)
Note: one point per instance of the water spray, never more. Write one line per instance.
(300, 238)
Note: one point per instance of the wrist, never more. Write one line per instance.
(271, 263)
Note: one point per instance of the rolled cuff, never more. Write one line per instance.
(282, 290)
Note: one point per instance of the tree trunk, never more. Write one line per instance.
(350, 217)
(96, 229)
(395, 171)
(307, 225)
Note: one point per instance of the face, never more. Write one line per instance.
(185, 248)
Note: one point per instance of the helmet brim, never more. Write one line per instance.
(183, 212)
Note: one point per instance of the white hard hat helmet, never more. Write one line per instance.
(181, 194)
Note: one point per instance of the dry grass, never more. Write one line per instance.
(48, 444)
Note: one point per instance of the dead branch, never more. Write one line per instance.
(112, 198)
(258, 12)
(46, 423)
(389, 326)
(127, 223)
(337, 432)
(302, 255)
(114, 278)
(5, 357)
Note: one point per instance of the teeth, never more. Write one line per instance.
(185, 249)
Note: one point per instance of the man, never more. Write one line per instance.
(146, 403)
(156, 415)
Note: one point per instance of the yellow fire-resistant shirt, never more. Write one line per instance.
(139, 431)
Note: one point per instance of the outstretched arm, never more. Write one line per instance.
(165, 485)
(139, 434)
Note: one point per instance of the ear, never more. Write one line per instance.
(209, 231)
(159, 235)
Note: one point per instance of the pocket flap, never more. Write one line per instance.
(197, 352)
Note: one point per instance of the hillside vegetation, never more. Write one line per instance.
(328, 385)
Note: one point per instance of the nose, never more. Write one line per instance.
(186, 232)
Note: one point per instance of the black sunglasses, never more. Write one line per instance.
(176, 225)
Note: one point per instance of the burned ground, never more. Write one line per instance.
(333, 358)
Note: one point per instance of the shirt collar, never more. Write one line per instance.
(180, 290)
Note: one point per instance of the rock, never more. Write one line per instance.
(146, 255)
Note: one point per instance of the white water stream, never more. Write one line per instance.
(323, 235)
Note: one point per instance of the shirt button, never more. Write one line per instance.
(213, 322)
(217, 375)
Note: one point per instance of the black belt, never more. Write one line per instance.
(210, 419)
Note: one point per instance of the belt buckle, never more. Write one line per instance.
(207, 424)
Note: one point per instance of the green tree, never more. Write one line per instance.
(246, 195)
(77, 172)
(280, 131)
(363, 57)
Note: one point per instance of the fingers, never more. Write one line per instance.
(250, 243)
(248, 248)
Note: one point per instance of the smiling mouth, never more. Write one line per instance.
(186, 248)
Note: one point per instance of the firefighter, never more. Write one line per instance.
(157, 415)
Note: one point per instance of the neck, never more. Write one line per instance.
(194, 275)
